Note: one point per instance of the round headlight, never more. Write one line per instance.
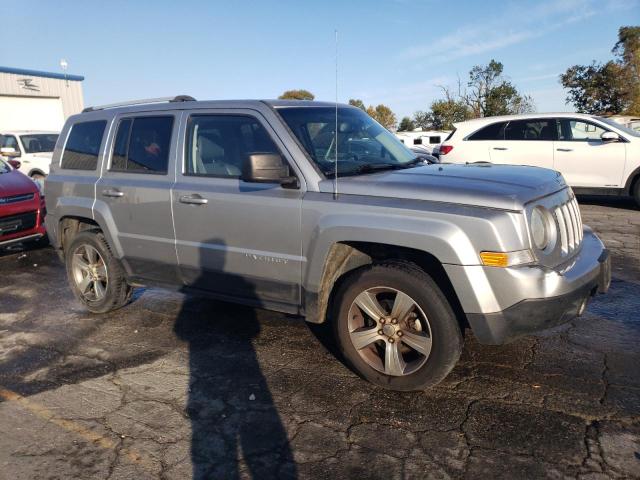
(539, 228)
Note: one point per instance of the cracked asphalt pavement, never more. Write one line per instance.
(174, 386)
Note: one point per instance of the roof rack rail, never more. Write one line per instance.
(178, 98)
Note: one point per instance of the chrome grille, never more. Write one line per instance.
(569, 222)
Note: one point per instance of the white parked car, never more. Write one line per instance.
(34, 149)
(596, 155)
(628, 121)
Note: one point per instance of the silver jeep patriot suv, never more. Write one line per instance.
(314, 209)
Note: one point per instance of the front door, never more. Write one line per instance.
(236, 239)
(136, 185)
(584, 159)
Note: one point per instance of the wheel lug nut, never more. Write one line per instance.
(380, 332)
(399, 333)
(382, 320)
(391, 340)
(394, 321)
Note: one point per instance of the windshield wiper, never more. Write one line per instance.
(374, 167)
(413, 163)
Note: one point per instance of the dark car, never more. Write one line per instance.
(22, 208)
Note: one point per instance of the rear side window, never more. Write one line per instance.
(495, 131)
(217, 145)
(83, 146)
(434, 140)
(142, 145)
(530, 130)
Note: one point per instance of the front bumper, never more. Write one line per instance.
(502, 304)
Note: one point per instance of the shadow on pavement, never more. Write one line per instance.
(624, 203)
(235, 426)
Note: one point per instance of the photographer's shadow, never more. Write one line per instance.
(235, 426)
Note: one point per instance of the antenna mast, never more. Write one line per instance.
(335, 172)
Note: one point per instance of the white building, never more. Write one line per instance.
(33, 100)
(425, 140)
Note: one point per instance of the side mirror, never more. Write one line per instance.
(610, 137)
(14, 163)
(267, 168)
(9, 152)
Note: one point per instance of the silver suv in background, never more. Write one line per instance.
(240, 200)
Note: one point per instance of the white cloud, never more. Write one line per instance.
(539, 20)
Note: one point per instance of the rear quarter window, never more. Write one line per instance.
(83, 146)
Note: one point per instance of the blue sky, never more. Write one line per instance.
(396, 52)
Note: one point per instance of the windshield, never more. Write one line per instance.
(38, 143)
(4, 167)
(619, 126)
(362, 144)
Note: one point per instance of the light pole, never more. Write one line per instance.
(64, 65)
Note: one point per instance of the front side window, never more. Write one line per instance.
(495, 131)
(142, 145)
(536, 129)
(579, 131)
(361, 145)
(217, 145)
(9, 141)
(83, 146)
(39, 143)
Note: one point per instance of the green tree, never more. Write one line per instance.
(612, 87)
(490, 94)
(444, 113)
(297, 95)
(356, 102)
(422, 120)
(595, 88)
(406, 125)
(383, 115)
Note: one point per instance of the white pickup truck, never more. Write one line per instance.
(33, 149)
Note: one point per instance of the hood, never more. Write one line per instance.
(16, 183)
(507, 187)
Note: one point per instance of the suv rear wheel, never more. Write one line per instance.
(395, 327)
(95, 275)
(636, 192)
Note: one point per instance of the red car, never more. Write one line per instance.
(22, 207)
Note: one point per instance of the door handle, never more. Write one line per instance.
(564, 149)
(112, 192)
(193, 200)
(500, 148)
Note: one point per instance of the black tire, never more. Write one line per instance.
(636, 192)
(118, 291)
(406, 277)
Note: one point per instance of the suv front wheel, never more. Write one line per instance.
(395, 327)
(95, 275)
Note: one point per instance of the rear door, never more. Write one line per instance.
(235, 239)
(525, 142)
(136, 185)
(584, 159)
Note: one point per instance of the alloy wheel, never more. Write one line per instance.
(390, 331)
(89, 273)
